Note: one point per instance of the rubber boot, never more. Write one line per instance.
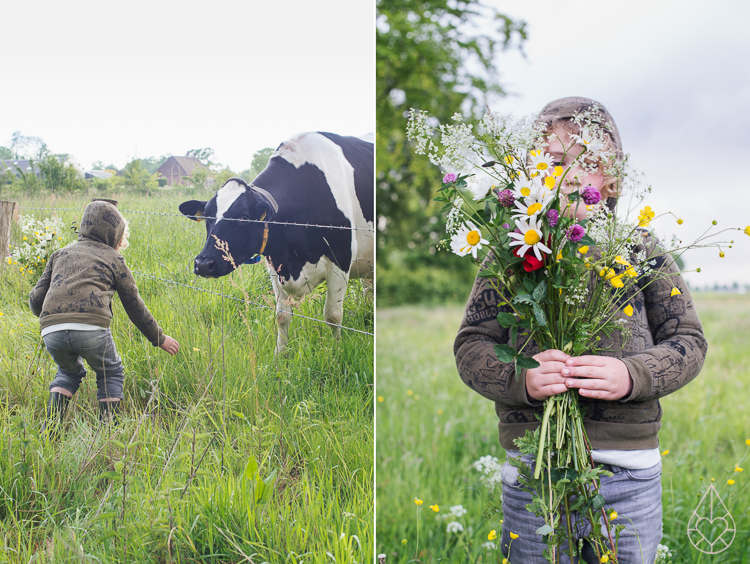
(56, 408)
(108, 410)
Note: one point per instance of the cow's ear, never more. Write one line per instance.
(264, 211)
(193, 209)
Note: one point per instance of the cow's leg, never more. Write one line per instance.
(283, 314)
(334, 306)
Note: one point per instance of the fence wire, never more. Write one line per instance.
(257, 304)
(368, 229)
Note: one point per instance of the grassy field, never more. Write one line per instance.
(226, 453)
(431, 428)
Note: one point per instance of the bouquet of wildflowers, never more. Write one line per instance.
(39, 240)
(562, 260)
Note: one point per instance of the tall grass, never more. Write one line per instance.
(177, 480)
(431, 428)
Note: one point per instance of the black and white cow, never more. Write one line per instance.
(311, 179)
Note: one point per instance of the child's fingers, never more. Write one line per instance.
(588, 360)
(551, 355)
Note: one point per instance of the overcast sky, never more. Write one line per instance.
(111, 81)
(675, 75)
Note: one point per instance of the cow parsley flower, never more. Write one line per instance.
(590, 141)
(529, 238)
(467, 240)
(454, 527)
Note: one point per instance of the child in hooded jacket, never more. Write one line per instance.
(619, 387)
(73, 302)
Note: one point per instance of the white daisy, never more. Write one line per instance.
(533, 205)
(529, 238)
(541, 163)
(525, 187)
(592, 143)
(467, 240)
(479, 186)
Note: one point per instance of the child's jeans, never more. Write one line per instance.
(69, 348)
(634, 494)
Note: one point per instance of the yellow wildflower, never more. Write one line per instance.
(617, 281)
(505, 561)
(613, 516)
(380, 399)
(721, 254)
(440, 411)
(418, 501)
(679, 221)
(559, 258)
(631, 272)
(409, 393)
(549, 182)
(557, 171)
(747, 442)
(607, 273)
(583, 250)
(675, 292)
(403, 541)
(628, 310)
(622, 261)
(665, 453)
(508, 159)
(24, 238)
(514, 536)
(645, 216)
(736, 468)
(604, 559)
(730, 482)
(435, 508)
(492, 535)
(747, 230)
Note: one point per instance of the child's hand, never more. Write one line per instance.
(170, 345)
(598, 377)
(546, 380)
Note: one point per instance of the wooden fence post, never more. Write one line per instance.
(7, 210)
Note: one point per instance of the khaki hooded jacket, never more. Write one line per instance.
(665, 352)
(79, 281)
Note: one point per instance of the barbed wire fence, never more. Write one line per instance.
(195, 288)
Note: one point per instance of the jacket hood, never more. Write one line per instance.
(101, 222)
(566, 108)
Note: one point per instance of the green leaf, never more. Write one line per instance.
(110, 475)
(505, 353)
(539, 291)
(251, 469)
(524, 299)
(558, 474)
(118, 444)
(541, 318)
(586, 241)
(597, 502)
(526, 362)
(545, 529)
(119, 465)
(506, 319)
(528, 283)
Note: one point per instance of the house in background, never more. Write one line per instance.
(14, 165)
(174, 169)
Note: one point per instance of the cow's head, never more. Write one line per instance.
(227, 235)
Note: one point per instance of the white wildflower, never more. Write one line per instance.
(454, 527)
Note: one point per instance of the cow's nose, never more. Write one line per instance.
(204, 266)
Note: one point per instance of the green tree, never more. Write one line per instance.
(137, 178)
(439, 56)
(260, 161)
(5, 154)
(203, 155)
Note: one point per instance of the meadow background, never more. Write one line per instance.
(431, 428)
(225, 452)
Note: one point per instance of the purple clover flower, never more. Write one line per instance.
(506, 198)
(449, 178)
(576, 233)
(553, 216)
(506, 226)
(590, 195)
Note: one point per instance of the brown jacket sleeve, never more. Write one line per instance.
(474, 349)
(135, 307)
(679, 347)
(36, 298)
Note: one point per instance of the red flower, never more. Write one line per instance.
(530, 262)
